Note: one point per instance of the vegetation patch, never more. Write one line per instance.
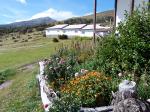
(92, 89)
(55, 40)
(117, 57)
(62, 37)
(22, 95)
(4, 75)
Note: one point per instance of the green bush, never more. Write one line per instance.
(5, 74)
(26, 40)
(130, 51)
(55, 40)
(13, 38)
(143, 91)
(67, 103)
(16, 40)
(62, 37)
(143, 88)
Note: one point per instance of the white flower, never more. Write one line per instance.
(83, 71)
(57, 59)
(68, 67)
(76, 74)
(120, 75)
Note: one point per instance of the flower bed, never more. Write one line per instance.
(92, 89)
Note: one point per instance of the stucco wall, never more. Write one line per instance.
(54, 32)
(125, 5)
(122, 6)
(72, 33)
(140, 3)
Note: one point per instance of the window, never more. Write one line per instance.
(83, 32)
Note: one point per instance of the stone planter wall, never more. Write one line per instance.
(47, 94)
(124, 100)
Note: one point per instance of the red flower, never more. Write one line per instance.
(45, 106)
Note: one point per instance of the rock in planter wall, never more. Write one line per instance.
(125, 100)
(126, 85)
(127, 89)
(119, 96)
(132, 105)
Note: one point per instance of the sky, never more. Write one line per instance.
(22, 10)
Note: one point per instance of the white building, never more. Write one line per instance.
(87, 31)
(82, 30)
(73, 30)
(55, 30)
(126, 5)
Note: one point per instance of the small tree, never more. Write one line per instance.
(130, 52)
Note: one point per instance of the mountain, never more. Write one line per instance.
(102, 17)
(109, 13)
(30, 23)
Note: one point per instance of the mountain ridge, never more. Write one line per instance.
(29, 23)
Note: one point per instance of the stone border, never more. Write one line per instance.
(46, 93)
(98, 109)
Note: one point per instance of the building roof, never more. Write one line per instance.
(76, 26)
(98, 27)
(58, 26)
(80, 26)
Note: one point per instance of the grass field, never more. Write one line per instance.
(17, 54)
(22, 94)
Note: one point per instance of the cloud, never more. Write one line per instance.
(54, 14)
(89, 13)
(22, 1)
(7, 16)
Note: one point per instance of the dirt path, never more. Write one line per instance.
(6, 84)
(29, 66)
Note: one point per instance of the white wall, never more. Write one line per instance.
(125, 5)
(122, 6)
(86, 33)
(140, 2)
(82, 33)
(73, 32)
(54, 32)
(89, 33)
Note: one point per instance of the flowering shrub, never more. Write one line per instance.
(92, 89)
(65, 63)
(60, 70)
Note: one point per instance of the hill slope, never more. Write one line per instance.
(102, 17)
(30, 23)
